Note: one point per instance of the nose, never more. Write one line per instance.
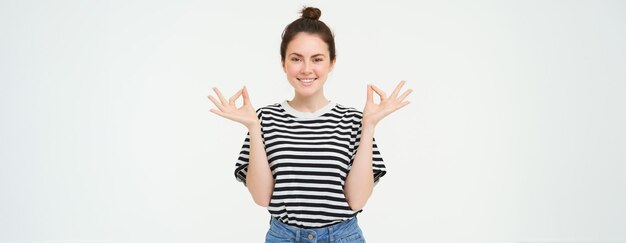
(306, 67)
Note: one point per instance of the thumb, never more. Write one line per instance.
(246, 97)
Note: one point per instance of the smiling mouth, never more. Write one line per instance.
(307, 80)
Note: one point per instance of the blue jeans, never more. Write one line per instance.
(347, 231)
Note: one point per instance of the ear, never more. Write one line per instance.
(332, 65)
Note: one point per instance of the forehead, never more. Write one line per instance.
(307, 44)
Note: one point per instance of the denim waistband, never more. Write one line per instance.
(331, 230)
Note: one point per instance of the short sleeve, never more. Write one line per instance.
(378, 165)
(241, 166)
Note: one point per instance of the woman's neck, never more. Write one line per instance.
(308, 104)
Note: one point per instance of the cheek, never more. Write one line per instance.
(292, 72)
(291, 69)
(322, 70)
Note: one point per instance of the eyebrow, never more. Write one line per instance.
(300, 55)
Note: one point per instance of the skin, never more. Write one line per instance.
(307, 56)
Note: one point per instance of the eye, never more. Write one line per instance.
(318, 60)
(295, 59)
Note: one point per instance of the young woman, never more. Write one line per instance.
(311, 161)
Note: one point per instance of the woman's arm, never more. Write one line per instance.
(360, 181)
(259, 179)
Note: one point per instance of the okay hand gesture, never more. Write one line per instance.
(245, 114)
(373, 113)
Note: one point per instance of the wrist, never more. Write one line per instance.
(368, 123)
(254, 127)
(252, 124)
(368, 127)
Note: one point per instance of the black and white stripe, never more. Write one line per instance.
(310, 155)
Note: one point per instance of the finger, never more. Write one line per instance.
(379, 92)
(219, 95)
(370, 94)
(398, 88)
(216, 103)
(402, 105)
(222, 114)
(232, 99)
(405, 94)
(216, 112)
(246, 97)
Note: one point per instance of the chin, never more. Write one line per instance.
(306, 93)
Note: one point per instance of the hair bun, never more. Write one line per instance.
(311, 13)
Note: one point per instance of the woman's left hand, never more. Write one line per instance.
(373, 112)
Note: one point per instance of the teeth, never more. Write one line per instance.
(307, 80)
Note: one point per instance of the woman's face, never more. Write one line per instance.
(307, 63)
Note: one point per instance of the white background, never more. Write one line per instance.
(515, 132)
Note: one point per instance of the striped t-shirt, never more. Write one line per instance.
(310, 154)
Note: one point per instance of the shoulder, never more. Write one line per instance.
(270, 107)
(348, 111)
(273, 109)
(348, 115)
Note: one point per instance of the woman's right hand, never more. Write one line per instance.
(246, 114)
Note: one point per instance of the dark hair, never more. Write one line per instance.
(308, 22)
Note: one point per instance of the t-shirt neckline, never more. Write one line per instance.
(307, 115)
